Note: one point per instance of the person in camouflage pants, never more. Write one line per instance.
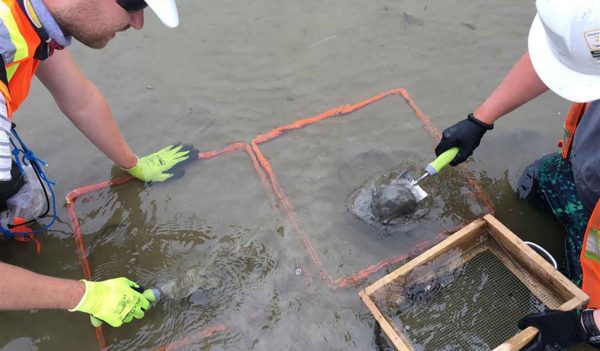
(548, 183)
(563, 56)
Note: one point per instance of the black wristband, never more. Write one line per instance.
(589, 323)
(483, 125)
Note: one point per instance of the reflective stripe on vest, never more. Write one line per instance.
(18, 43)
(590, 259)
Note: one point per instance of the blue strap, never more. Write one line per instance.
(36, 163)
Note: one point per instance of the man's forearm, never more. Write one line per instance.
(519, 86)
(21, 289)
(80, 100)
(95, 119)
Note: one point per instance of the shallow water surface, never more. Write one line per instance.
(238, 273)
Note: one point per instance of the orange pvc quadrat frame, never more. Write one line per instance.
(279, 199)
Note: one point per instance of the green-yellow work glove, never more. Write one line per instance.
(152, 168)
(113, 301)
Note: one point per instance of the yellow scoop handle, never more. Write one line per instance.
(442, 161)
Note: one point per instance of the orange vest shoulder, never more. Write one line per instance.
(21, 71)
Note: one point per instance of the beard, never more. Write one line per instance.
(76, 22)
(88, 39)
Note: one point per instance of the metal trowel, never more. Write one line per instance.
(431, 169)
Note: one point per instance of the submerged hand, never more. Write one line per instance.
(557, 330)
(114, 301)
(153, 167)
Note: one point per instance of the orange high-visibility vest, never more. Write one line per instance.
(22, 36)
(573, 117)
(590, 252)
(590, 259)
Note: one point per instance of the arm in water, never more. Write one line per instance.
(22, 289)
(519, 86)
(114, 301)
(80, 100)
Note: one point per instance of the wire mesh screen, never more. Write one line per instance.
(474, 305)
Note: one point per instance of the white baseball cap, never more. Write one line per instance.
(564, 46)
(166, 10)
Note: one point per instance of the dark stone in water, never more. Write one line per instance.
(386, 203)
(393, 201)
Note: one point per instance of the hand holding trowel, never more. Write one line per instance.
(401, 196)
(431, 169)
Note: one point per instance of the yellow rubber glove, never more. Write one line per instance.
(150, 294)
(152, 168)
(113, 301)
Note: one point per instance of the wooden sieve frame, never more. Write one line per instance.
(521, 255)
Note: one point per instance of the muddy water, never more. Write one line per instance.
(234, 70)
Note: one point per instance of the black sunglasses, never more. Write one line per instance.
(132, 5)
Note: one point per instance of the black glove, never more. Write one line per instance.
(557, 330)
(465, 134)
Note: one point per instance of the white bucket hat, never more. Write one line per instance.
(564, 46)
(166, 10)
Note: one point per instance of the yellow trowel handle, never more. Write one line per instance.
(441, 161)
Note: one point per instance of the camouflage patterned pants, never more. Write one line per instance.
(549, 184)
